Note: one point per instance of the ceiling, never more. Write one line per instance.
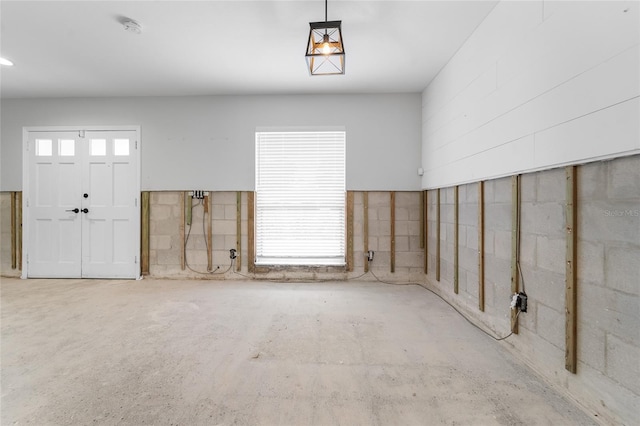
(81, 49)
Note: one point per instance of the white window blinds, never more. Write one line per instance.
(300, 198)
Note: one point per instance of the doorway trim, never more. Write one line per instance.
(25, 183)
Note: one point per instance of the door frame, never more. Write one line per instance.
(25, 184)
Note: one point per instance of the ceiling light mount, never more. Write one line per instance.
(325, 48)
(132, 26)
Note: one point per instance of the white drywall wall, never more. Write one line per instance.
(208, 142)
(538, 85)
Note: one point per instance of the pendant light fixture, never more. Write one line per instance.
(325, 50)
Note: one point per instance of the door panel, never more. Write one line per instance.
(54, 240)
(110, 181)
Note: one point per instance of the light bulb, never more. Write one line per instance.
(326, 46)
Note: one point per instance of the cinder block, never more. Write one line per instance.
(446, 196)
(622, 362)
(471, 193)
(402, 213)
(471, 237)
(544, 286)
(160, 242)
(471, 284)
(218, 242)
(489, 242)
(380, 228)
(592, 181)
(528, 187)
(543, 219)
(168, 198)
(168, 257)
(612, 220)
(468, 259)
(590, 262)
(229, 242)
(408, 198)
(624, 179)
(218, 210)
(384, 244)
(497, 217)
(224, 227)
(414, 213)
(462, 193)
(402, 243)
(502, 244)
(408, 259)
(383, 214)
(373, 244)
(468, 214)
(622, 269)
(551, 254)
(164, 227)
(502, 190)
(498, 271)
(609, 310)
(447, 233)
(528, 243)
(462, 235)
(551, 325)
(414, 243)
(230, 211)
(160, 212)
(378, 198)
(413, 228)
(591, 346)
(551, 186)
(196, 257)
(196, 242)
(401, 228)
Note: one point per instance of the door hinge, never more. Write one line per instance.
(136, 144)
(27, 202)
(136, 202)
(135, 259)
(81, 134)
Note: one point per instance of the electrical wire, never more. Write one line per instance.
(206, 243)
(452, 306)
(370, 271)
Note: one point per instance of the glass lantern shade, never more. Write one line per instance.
(325, 50)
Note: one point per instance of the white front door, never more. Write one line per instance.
(82, 204)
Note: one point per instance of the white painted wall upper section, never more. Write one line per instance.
(540, 84)
(208, 142)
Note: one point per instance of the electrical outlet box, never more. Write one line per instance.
(198, 195)
(370, 255)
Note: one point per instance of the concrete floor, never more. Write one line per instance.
(222, 353)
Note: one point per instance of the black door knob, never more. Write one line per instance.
(85, 210)
(85, 195)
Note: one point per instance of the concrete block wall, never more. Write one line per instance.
(5, 237)
(607, 381)
(609, 283)
(165, 244)
(408, 253)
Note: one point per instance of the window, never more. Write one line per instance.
(44, 147)
(98, 147)
(67, 147)
(300, 198)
